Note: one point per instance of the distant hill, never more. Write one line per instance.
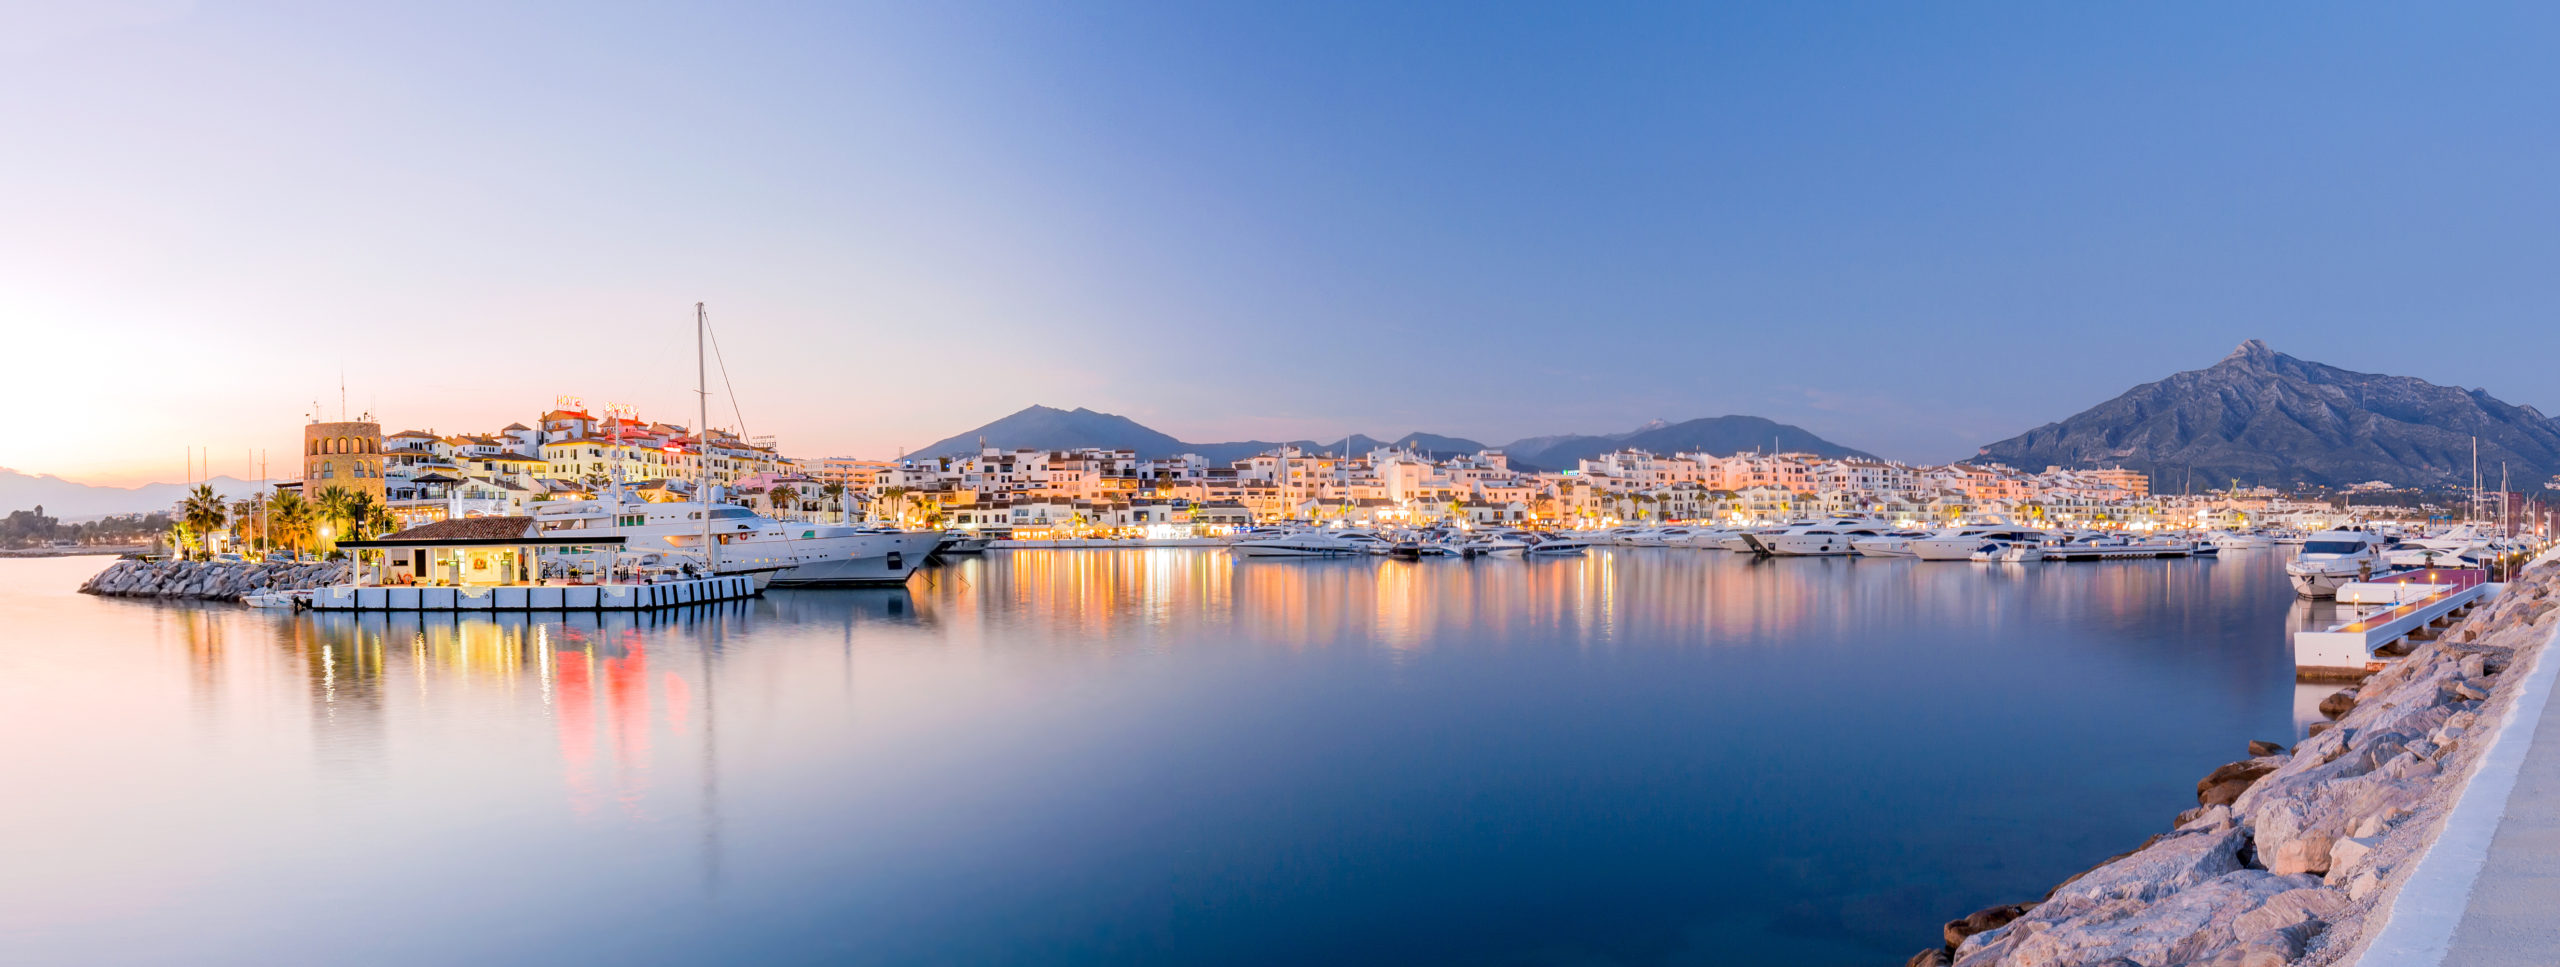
(1050, 428)
(1714, 434)
(69, 501)
(2264, 418)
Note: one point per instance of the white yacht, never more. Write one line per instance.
(773, 552)
(1554, 545)
(1823, 538)
(1707, 538)
(2464, 546)
(2242, 540)
(1740, 541)
(2008, 552)
(1307, 543)
(2332, 558)
(1889, 544)
(1959, 543)
(1495, 543)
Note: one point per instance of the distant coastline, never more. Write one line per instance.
(101, 550)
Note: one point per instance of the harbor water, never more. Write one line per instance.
(1167, 756)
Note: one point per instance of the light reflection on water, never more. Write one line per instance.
(1164, 756)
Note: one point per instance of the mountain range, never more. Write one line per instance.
(70, 501)
(2263, 417)
(1050, 428)
(2258, 417)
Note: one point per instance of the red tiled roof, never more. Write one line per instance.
(469, 528)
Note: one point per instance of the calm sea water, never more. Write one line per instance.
(1135, 757)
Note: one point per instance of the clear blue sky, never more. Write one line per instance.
(1912, 228)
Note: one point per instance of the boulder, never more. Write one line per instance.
(1987, 918)
(2212, 817)
(1932, 957)
(2363, 885)
(2161, 867)
(2194, 923)
(2224, 785)
(2347, 856)
(2378, 821)
(2339, 703)
(2261, 748)
(2307, 853)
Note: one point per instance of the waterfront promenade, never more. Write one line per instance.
(2484, 893)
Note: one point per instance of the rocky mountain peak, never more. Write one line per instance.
(2252, 351)
(2260, 416)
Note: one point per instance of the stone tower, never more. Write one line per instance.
(345, 455)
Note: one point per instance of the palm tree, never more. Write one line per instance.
(366, 516)
(289, 521)
(378, 520)
(334, 510)
(244, 522)
(204, 513)
(835, 493)
(783, 499)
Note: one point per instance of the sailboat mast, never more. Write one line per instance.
(702, 436)
(2475, 479)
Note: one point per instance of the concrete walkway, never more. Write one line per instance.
(2514, 913)
(2487, 891)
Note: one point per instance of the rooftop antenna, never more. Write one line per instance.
(342, 394)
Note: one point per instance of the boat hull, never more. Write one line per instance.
(858, 561)
(1944, 550)
(2319, 582)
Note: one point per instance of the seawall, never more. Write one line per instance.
(2290, 854)
(209, 581)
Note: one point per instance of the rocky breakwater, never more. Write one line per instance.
(2288, 852)
(209, 581)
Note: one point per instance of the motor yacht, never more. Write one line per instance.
(1888, 544)
(2008, 552)
(1825, 538)
(775, 553)
(1959, 543)
(1310, 543)
(2242, 540)
(1494, 543)
(2335, 557)
(2464, 546)
(1555, 545)
(1705, 538)
(961, 542)
(1740, 540)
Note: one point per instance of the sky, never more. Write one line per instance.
(1911, 228)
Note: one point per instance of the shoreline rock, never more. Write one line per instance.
(2288, 851)
(209, 580)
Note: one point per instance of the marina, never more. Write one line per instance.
(1023, 749)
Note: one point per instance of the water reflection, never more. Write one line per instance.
(1143, 756)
